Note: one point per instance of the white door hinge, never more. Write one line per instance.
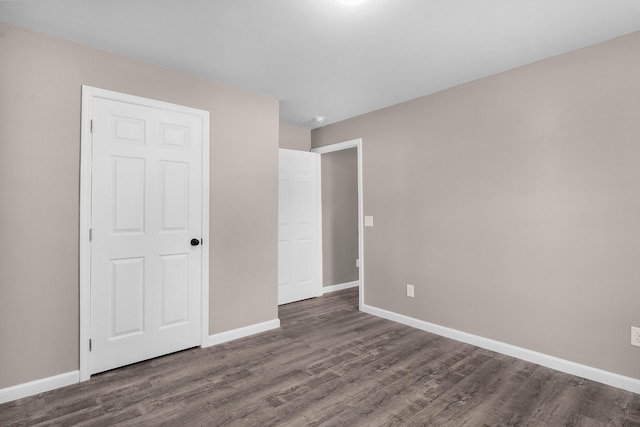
(90, 234)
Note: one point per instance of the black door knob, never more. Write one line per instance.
(195, 242)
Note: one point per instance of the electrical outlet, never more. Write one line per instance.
(635, 336)
(410, 292)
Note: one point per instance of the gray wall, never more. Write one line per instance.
(339, 217)
(294, 137)
(512, 204)
(40, 96)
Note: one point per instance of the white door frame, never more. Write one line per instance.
(88, 94)
(357, 144)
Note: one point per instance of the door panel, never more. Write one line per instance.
(175, 292)
(146, 208)
(128, 194)
(298, 246)
(174, 183)
(126, 305)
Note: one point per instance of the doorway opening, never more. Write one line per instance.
(326, 150)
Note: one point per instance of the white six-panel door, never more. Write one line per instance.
(146, 208)
(298, 222)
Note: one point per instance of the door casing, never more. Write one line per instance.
(88, 95)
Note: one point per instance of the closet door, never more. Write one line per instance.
(298, 222)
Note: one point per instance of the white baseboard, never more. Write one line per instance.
(242, 332)
(594, 374)
(339, 287)
(45, 384)
(38, 386)
(605, 377)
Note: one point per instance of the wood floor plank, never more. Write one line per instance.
(328, 365)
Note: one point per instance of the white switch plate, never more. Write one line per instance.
(635, 336)
(410, 290)
(368, 221)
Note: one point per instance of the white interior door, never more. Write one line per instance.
(146, 208)
(298, 245)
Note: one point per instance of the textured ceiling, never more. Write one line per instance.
(321, 57)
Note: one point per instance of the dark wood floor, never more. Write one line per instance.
(331, 365)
